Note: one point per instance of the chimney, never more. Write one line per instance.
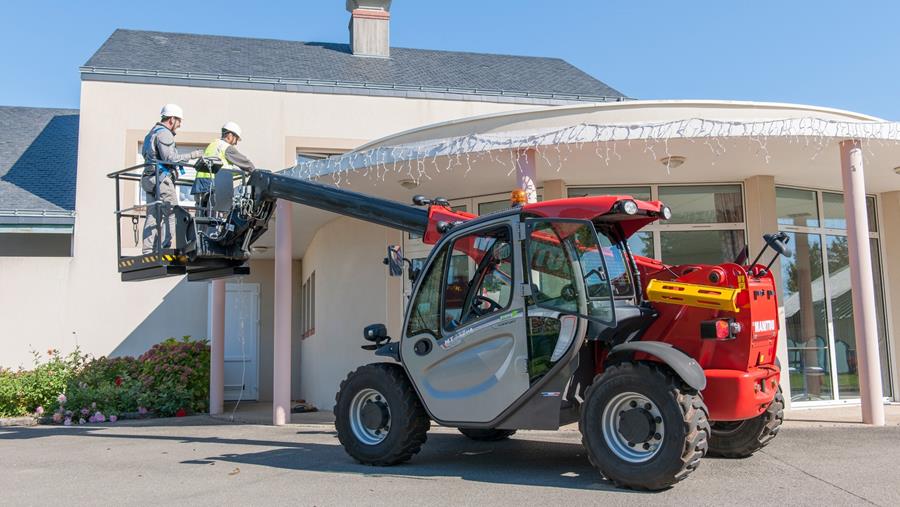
(370, 22)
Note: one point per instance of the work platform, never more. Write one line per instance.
(172, 263)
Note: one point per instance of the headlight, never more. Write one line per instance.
(629, 207)
(666, 212)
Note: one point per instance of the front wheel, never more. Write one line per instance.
(642, 427)
(378, 416)
(740, 439)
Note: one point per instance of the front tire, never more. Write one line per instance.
(378, 416)
(642, 427)
(740, 439)
(487, 435)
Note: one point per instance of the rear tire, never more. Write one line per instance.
(487, 435)
(378, 416)
(740, 439)
(642, 427)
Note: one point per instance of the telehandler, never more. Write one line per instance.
(532, 318)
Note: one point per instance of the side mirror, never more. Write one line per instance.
(394, 260)
(778, 242)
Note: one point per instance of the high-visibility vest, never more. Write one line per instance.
(216, 149)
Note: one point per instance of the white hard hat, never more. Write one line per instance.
(233, 127)
(172, 110)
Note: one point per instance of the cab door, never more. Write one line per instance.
(464, 343)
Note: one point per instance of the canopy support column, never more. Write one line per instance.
(526, 173)
(281, 365)
(862, 282)
(217, 349)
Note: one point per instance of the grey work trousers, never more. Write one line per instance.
(160, 213)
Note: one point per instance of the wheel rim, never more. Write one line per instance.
(633, 427)
(370, 417)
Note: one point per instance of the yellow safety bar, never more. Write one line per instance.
(690, 294)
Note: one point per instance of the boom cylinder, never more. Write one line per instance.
(343, 202)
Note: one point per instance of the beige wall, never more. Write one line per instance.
(352, 291)
(63, 302)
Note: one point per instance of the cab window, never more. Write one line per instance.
(426, 307)
(479, 277)
(557, 251)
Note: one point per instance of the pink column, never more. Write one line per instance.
(281, 369)
(526, 173)
(861, 279)
(217, 349)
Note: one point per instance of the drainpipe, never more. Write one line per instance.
(281, 366)
(862, 281)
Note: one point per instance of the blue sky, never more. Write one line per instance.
(843, 55)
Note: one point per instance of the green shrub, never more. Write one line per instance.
(23, 391)
(169, 379)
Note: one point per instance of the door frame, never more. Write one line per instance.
(253, 287)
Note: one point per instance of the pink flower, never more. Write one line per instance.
(68, 421)
(62, 399)
(39, 410)
(142, 411)
(81, 420)
(99, 417)
(57, 418)
(85, 411)
(113, 418)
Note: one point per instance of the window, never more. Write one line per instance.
(479, 277)
(36, 244)
(553, 248)
(310, 156)
(425, 314)
(817, 296)
(308, 306)
(707, 226)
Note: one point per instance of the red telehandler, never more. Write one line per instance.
(532, 318)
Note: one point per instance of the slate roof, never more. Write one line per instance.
(133, 55)
(38, 158)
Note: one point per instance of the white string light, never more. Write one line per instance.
(549, 144)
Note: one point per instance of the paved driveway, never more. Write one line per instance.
(203, 461)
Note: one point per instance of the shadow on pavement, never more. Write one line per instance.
(516, 461)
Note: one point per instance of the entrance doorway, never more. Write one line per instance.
(241, 340)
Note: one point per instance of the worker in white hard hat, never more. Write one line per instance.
(225, 149)
(158, 179)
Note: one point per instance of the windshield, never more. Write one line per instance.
(616, 264)
(560, 252)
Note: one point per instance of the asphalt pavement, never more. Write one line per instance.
(199, 460)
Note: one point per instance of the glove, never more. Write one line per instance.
(196, 154)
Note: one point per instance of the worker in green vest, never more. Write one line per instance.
(225, 150)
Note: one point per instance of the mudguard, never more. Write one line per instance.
(683, 365)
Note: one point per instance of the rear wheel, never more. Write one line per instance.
(378, 416)
(740, 439)
(487, 435)
(642, 427)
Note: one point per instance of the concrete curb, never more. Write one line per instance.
(18, 421)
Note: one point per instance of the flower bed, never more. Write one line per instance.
(170, 379)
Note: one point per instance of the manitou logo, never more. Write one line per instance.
(761, 326)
